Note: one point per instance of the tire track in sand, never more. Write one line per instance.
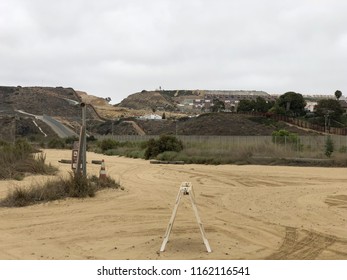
(307, 248)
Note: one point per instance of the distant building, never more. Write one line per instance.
(310, 106)
(150, 117)
(230, 98)
(343, 104)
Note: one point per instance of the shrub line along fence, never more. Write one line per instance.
(313, 143)
(299, 122)
(308, 125)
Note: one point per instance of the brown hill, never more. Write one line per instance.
(107, 110)
(22, 104)
(162, 100)
(206, 124)
(55, 102)
(147, 100)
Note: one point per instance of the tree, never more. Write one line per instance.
(245, 106)
(329, 107)
(338, 94)
(261, 105)
(293, 103)
(217, 105)
(258, 105)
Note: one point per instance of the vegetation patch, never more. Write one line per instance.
(20, 158)
(73, 186)
(165, 143)
(283, 136)
(329, 147)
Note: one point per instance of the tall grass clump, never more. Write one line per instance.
(20, 158)
(76, 186)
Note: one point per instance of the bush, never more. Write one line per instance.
(56, 143)
(283, 136)
(168, 156)
(329, 146)
(70, 140)
(343, 149)
(163, 144)
(108, 144)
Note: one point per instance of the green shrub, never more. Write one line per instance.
(135, 154)
(163, 144)
(284, 136)
(70, 140)
(56, 143)
(168, 156)
(343, 149)
(108, 144)
(329, 146)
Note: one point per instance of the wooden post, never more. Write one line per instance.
(82, 148)
(80, 152)
(186, 188)
(84, 137)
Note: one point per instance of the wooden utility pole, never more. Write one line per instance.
(82, 148)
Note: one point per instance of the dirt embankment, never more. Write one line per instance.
(218, 124)
(249, 212)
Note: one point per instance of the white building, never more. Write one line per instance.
(150, 117)
(310, 106)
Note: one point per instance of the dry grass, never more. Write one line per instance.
(73, 186)
(20, 158)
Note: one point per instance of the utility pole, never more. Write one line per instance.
(84, 123)
(176, 127)
(14, 129)
(327, 121)
(82, 148)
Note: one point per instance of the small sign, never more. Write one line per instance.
(74, 155)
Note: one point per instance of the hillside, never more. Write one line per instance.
(106, 110)
(24, 105)
(206, 124)
(26, 111)
(12, 127)
(187, 100)
(157, 100)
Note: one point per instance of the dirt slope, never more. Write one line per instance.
(249, 212)
(217, 124)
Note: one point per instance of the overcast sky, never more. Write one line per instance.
(112, 48)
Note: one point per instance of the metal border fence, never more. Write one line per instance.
(312, 143)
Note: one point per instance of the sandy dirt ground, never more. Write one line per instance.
(249, 212)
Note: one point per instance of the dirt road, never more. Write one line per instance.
(249, 212)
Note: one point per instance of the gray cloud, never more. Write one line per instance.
(114, 48)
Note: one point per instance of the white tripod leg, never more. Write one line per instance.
(171, 222)
(201, 227)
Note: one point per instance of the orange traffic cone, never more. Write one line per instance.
(102, 174)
